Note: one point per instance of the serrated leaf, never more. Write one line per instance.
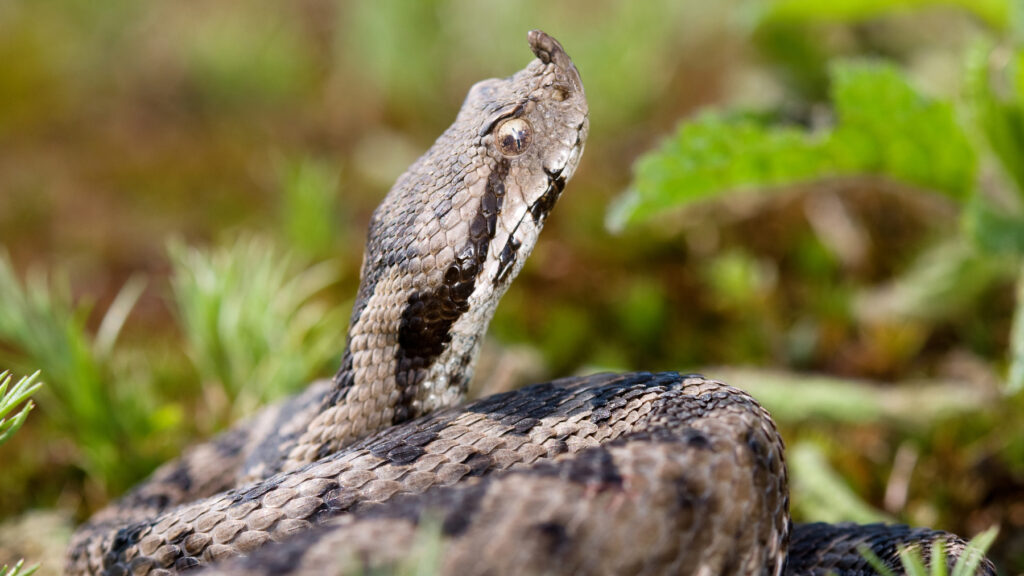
(715, 153)
(884, 126)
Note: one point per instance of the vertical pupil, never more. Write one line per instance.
(513, 137)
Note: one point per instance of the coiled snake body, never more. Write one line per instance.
(607, 474)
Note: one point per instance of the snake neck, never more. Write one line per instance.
(445, 244)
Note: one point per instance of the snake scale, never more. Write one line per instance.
(635, 473)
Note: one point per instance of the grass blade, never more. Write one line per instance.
(9, 400)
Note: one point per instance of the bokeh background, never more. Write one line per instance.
(185, 187)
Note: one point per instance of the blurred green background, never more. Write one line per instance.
(820, 202)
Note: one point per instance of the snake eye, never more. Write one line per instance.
(513, 136)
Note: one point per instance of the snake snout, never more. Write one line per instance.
(549, 50)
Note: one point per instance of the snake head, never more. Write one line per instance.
(456, 228)
(532, 128)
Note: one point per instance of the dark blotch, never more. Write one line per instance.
(340, 499)
(507, 258)
(479, 464)
(381, 449)
(180, 477)
(696, 439)
(345, 377)
(762, 453)
(594, 466)
(257, 491)
(186, 563)
(125, 538)
(554, 538)
(461, 514)
(421, 438)
(687, 498)
(543, 206)
(425, 328)
(525, 425)
(405, 454)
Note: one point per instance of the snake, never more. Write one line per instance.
(635, 473)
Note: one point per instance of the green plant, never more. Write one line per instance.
(10, 399)
(884, 126)
(110, 411)
(18, 569)
(252, 323)
(912, 559)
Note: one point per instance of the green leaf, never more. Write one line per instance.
(113, 321)
(938, 559)
(713, 154)
(798, 398)
(884, 126)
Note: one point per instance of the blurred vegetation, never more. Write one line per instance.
(843, 198)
